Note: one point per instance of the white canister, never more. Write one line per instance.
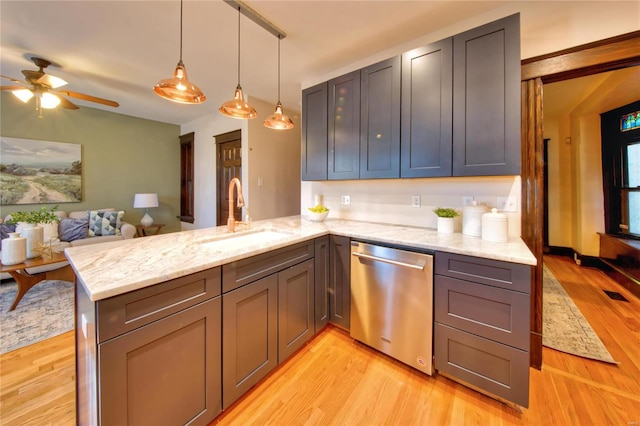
(472, 219)
(14, 249)
(495, 227)
(35, 237)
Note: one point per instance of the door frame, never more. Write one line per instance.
(605, 55)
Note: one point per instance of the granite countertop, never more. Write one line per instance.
(114, 268)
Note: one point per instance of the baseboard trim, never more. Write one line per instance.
(559, 251)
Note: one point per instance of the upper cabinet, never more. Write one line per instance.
(344, 127)
(451, 108)
(486, 99)
(427, 95)
(314, 133)
(380, 120)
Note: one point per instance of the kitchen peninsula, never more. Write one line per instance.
(162, 313)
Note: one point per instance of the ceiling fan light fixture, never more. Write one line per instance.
(238, 107)
(179, 88)
(23, 94)
(278, 121)
(49, 100)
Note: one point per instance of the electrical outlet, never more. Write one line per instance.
(467, 200)
(507, 204)
(346, 200)
(415, 201)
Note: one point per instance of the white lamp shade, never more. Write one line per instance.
(144, 201)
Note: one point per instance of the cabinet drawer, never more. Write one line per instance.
(513, 276)
(484, 364)
(123, 313)
(244, 271)
(491, 312)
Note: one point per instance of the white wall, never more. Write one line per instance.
(389, 200)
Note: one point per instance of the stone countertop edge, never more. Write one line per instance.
(113, 268)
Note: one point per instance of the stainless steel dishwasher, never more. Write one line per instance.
(392, 302)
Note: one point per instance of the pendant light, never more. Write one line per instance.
(238, 107)
(179, 88)
(278, 121)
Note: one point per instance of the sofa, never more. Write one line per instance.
(77, 228)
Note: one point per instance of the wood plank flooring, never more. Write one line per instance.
(336, 381)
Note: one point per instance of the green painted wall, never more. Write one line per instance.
(121, 156)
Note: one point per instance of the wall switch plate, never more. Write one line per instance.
(467, 200)
(346, 200)
(508, 204)
(415, 201)
(260, 181)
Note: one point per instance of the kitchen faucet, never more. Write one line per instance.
(231, 221)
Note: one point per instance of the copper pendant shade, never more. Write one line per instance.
(179, 88)
(238, 107)
(278, 121)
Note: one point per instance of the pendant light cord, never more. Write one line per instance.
(279, 68)
(180, 30)
(238, 45)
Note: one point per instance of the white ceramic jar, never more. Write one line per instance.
(495, 227)
(14, 249)
(472, 219)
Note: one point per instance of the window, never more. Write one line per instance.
(186, 177)
(621, 170)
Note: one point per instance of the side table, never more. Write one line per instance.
(144, 231)
(26, 280)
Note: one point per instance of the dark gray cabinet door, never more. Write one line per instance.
(427, 108)
(249, 336)
(380, 120)
(314, 132)
(321, 282)
(340, 281)
(167, 372)
(344, 127)
(295, 308)
(486, 99)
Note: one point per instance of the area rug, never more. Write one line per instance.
(45, 311)
(564, 328)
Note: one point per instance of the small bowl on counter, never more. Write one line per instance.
(317, 217)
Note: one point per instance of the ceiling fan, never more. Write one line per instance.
(44, 87)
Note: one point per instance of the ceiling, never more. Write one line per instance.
(119, 49)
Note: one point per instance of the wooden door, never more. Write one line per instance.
(229, 165)
(380, 120)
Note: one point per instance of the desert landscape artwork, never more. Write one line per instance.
(38, 172)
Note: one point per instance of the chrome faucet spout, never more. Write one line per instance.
(231, 220)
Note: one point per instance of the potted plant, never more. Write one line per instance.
(30, 230)
(446, 217)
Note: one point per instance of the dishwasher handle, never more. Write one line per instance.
(393, 262)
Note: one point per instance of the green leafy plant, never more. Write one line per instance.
(445, 212)
(44, 215)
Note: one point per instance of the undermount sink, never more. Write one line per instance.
(244, 239)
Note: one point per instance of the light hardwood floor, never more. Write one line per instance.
(336, 381)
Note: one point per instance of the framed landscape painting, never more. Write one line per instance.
(39, 172)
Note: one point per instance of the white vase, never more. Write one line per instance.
(14, 249)
(445, 225)
(35, 237)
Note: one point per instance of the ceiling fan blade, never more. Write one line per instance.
(67, 104)
(89, 98)
(51, 81)
(12, 87)
(15, 80)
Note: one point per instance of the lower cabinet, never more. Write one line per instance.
(321, 272)
(295, 308)
(249, 336)
(340, 281)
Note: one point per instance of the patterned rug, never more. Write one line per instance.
(564, 328)
(45, 311)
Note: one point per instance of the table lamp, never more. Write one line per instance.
(145, 201)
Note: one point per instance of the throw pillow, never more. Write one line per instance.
(5, 229)
(73, 229)
(105, 223)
